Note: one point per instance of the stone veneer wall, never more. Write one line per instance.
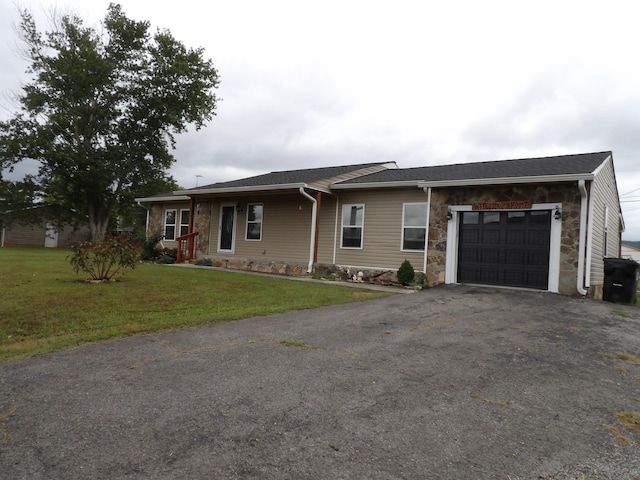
(156, 221)
(566, 194)
(202, 225)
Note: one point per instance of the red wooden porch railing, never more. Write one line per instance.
(186, 247)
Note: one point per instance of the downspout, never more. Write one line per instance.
(583, 234)
(314, 213)
(427, 190)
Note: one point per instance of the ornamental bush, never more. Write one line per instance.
(149, 246)
(204, 262)
(406, 273)
(106, 259)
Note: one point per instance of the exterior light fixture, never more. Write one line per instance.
(557, 214)
(239, 208)
(449, 214)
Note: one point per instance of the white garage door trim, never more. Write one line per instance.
(451, 270)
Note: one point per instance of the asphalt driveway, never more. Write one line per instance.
(450, 383)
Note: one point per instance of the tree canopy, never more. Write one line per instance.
(101, 113)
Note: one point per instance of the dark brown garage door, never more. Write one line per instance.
(505, 248)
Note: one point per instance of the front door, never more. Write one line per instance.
(227, 228)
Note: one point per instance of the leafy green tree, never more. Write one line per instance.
(102, 110)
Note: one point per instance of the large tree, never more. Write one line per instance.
(101, 112)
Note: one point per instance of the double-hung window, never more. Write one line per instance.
(173, 224)
(184, 222)
(254, 221)
(170, 224)
(352, 225)
(414, 226)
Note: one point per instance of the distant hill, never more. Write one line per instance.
(632, 244)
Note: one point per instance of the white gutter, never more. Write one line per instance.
(399, 183)
(252, 188)
(507, 180)
(427, 190)
(465, 182)
(583, 234)
(314, 213)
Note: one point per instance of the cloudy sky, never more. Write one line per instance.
(306, 84)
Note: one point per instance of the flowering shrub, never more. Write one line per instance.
(104, 260)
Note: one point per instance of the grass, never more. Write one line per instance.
(47, 307)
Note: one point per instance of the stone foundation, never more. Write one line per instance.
(377, 277)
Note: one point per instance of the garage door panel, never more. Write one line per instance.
(489, 275)
(515, 257)
(539, 237)
(489, 255)
(538, 259)
(516, 237)
(505, 248)
(468, 255)
(490, 236)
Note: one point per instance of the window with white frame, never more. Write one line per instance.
(174, 226)
(352, 225)
(184, 222)
(414, 226)
(170, 224)
(254, 221)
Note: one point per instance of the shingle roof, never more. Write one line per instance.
(584, 163)
(307, 175)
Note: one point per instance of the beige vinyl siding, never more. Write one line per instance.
(327, 229)
(604, 194)
(286, 229)
(382, 230)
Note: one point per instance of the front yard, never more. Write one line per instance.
(45, 306)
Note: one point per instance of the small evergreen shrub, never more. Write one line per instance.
(204, 262)
(165, 260)
(406, 273)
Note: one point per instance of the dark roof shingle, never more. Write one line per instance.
(583, 163)
(307, 175)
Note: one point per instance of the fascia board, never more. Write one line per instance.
(507, 180)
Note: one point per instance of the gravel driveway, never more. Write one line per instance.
(451, 383)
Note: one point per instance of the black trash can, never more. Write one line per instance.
(620, 280)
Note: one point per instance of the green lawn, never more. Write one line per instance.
(45, 306)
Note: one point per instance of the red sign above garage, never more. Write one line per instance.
(508, 205)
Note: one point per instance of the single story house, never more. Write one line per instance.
(542, 223)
